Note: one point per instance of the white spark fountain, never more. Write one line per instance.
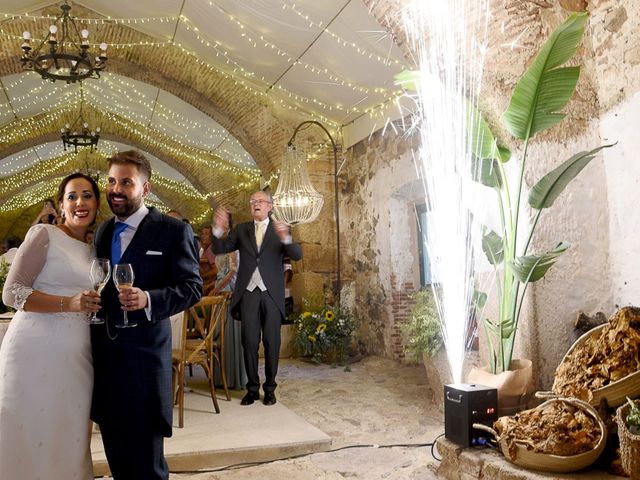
(449, 38)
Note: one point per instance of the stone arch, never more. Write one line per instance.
(247, 116)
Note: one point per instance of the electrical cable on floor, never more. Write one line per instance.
(293, 457)
(433, 445)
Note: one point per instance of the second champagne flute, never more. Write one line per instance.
(100, 273)
(123, 279)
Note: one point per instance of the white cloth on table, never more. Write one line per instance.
(46, 373)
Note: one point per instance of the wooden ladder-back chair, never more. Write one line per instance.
(207, 319)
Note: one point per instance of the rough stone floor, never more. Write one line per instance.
(378, 402)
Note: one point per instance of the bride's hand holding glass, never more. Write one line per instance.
(100, 273)
(86, 301)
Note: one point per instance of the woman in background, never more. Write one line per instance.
(233, 357)
(208, 269)
(48, 214)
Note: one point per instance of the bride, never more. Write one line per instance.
(46, 374)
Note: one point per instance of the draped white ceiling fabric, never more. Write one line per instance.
(323, 59)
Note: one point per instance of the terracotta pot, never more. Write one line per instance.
(515, 386)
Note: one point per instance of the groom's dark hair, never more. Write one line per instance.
(132, 157)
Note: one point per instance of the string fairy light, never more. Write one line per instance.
(65, 103)
(240, 75)
(92, 21)
(341, 41)
(24, 189)
(289, 100)
(171, 142)
(254, 39)
(187, 128)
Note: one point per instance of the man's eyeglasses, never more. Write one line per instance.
(254, 201)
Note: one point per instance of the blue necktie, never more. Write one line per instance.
(116, 249)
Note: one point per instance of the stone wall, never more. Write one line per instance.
(595, 214)
(380, 254)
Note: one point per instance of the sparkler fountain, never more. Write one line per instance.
(449, 39)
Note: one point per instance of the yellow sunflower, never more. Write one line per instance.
(321, 328)
(329, 315)
(306, 314)
(312, 338)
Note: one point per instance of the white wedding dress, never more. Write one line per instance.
(46, 373)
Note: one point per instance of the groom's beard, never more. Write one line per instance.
(125, 209)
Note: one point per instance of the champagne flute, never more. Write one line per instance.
(100, 273)
(123, 279)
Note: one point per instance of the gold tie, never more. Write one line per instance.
(259, 234)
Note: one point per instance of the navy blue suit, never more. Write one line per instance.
(260, 312)
(132, 395)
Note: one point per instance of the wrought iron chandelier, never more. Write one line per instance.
(66, 53)
(82, 137)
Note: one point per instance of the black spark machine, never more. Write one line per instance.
(464, 405)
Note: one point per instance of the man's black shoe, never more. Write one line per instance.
(269, 398)
(249, 398)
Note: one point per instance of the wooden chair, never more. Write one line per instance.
(207, 319)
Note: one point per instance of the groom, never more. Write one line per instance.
(132, 394)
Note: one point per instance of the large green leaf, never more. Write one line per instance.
(546, 87)
(478, 300)
(408, 79)
(493, 247)
(549, 187)
(485, 171)
(483, 143)
(532, 268)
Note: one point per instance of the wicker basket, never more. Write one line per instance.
(615, 393)
(629, 443)
(545, 462)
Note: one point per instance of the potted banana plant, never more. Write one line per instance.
(544, 89)
(536, 104)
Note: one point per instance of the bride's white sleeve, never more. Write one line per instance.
(26, 266)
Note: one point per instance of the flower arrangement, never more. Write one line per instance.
(324, 332)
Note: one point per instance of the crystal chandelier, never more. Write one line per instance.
(66, 53)
(295, 200)
(78, 134)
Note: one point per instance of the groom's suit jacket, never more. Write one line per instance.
(133, 370)
(268, 259)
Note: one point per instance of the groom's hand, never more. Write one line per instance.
(132, 299)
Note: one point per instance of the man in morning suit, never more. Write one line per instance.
(258, 297)
(132, 394)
